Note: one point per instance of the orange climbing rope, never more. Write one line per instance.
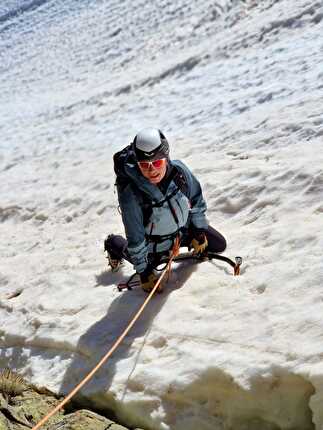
(175, 251)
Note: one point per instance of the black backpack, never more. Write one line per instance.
(119, 160)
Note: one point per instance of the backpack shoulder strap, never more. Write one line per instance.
(180, 180)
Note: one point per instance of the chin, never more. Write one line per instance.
(155, 180)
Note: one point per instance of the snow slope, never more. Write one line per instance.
(237, 88)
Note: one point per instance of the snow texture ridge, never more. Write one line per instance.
(236, 86)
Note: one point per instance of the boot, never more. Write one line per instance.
(114, 263)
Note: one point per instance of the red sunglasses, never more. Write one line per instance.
(157, 164)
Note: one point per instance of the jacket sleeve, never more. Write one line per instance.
(198, 204)
(132, 218)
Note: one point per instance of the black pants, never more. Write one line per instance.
(117, 245)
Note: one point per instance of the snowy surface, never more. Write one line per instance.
(237, 87)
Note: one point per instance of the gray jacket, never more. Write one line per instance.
(167, 212)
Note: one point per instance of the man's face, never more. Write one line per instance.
(154, 171)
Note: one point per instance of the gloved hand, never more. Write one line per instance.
(199, 243)
(148, 280)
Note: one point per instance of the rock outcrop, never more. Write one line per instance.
(22, 406)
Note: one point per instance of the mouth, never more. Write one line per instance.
(154, 178)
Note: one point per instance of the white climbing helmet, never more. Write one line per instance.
(150, 144)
